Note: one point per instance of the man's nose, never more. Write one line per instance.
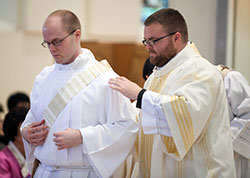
(52, 47)
(148, 47)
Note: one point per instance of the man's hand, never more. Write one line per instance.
(125, 86)
(35, 133)
(67, 138)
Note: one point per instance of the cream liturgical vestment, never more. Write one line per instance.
(185, 123)
(104, 117)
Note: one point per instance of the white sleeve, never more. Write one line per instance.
(153, 118)
(108, 144)
(32, 117)
(238, 94)
(29, 149)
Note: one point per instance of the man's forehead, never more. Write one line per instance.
(53, 30)
(153, 29)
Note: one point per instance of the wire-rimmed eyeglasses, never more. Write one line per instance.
(152, 42)
(57, 42)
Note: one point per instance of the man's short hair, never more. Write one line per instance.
(171, 20)
(16, 98)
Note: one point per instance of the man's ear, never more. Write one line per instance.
(177, 36)
(78, 33)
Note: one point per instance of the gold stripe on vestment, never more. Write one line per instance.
(146, 146)
(179, 120)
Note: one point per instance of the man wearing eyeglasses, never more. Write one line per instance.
(184, 121)
(77, 125)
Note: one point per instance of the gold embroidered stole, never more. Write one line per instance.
(146, 141)
(71, 88)
(195, 48)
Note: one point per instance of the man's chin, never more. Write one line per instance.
(153, 60)
(58, 61)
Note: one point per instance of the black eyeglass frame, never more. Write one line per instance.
(152, 42)
(46, 44)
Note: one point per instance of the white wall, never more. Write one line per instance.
(201, 20)
(114, 20)
(110, 20)
(36, 11)
(242, 38)
(8, 14)
(21, 59)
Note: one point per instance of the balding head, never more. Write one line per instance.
(69, 21)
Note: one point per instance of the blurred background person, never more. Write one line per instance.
(12, 156)
(147, 69)
(1, 119)
(238, 95)
(18, 99)
(2, 138)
